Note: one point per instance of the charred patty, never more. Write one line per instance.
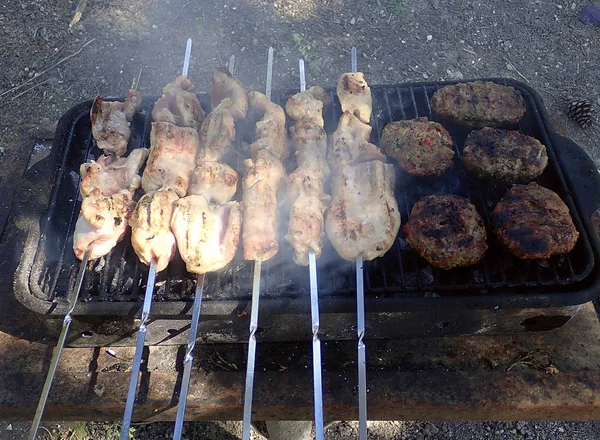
(420, 146)
(504, 155)
(447, 231)
(479, 104)
(533, 222)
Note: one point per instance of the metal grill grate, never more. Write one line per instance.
(120, 276)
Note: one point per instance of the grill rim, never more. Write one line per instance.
(574, 294)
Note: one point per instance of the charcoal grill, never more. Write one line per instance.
(499, 294)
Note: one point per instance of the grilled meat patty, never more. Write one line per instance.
(479, 104)
(420, 146)
(504, 155)
(447, 231)
(533, 222)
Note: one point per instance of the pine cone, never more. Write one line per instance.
(581, 112)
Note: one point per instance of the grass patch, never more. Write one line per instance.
(308, 51)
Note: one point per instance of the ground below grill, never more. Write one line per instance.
(536, 376)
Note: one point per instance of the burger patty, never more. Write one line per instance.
(533, 222)
(420, 146)
(447, 231)
(479, 104)
(504, 155)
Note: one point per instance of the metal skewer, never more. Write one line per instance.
(188, 360)
(360, 323)
(142, 329)
(250, 364)
(314, 313)
(59, 347)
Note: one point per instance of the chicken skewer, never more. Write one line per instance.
(100, 181)
(147, 304)
(360, 323)
(217, 182)
(308, 203)
(260, 201)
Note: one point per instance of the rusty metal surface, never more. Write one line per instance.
(93, 332)
(540, 376)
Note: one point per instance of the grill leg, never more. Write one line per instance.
(283, 430)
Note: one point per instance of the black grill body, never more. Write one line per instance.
(400, 282)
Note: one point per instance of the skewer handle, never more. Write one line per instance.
(59, 347)
(188, 360)
(250, 365)
(362, 357)
(316, 346)
(360, 321)
(139, 349)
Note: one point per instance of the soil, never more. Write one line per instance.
(48, 67)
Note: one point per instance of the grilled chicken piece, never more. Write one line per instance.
(355, 95)
(264, 178)
(350, 143)
(102, 222)
(306, 184)
(308, 105)
(271, 124)
(228, 93)
(310, 142)
(172, 158)
(363, 216)
(207, 235)
(306, 190)
(111, 122)
(151, 234)
(110, 174)
(216, 181)
(216, 135)
(179, 105)
(306, 229)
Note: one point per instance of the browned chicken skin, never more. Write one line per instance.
(228, 93)
(350, 143)
(363, 218)
(216, 135)
(207, 235)
(306, 184)
(111, 174)
(271, 123)
(151, 234)
(206, 224)
(107, 187)
(111, 122)
(216, 181)
(265, 176)
(355, 95)
(172, 158)
(308, 105)
(179, 105)
(102, 222)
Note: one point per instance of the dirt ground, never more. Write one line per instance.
(48, 67)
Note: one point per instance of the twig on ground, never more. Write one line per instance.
(376, 50)
(180, 12)
(515, 69)
(58, 63)
(29, 89)
(469, 51)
